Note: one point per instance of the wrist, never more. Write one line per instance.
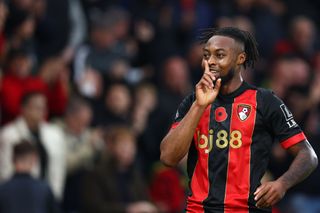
(200, 106)
(285, 185)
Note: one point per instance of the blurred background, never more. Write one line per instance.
(95, 84)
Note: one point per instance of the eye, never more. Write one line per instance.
(220, 55)
(206, 56)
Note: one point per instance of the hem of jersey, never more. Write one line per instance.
(293, 140)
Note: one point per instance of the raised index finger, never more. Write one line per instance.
(206, 66)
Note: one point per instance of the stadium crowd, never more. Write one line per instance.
(94, 86)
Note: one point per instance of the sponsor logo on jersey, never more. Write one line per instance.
(243, 111)
(220, 139)
(288, 116)
(220, 114)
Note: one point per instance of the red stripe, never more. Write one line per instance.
(200, 181)
(293, 140)
(238, 176)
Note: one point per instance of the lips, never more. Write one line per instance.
(215, 73)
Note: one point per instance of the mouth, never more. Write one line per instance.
(215, 73)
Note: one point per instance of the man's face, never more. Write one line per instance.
(36, 109)
(223, 56)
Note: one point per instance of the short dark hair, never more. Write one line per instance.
(29, 95)
(244, 37)
(75, 104)
(22, 149)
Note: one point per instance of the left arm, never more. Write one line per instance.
(304, 163)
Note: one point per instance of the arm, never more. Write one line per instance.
(304, 163)
(176, 143)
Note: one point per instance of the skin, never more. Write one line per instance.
(34, 112)
(220, 55)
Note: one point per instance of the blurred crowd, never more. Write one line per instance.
(93, 85)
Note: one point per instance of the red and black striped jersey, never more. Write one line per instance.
(231, 148)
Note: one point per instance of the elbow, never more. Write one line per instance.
(167, 161)
(315, 160)
(166, 158)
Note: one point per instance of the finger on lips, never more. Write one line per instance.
(206, 65)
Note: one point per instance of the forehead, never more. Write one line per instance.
(220, 42)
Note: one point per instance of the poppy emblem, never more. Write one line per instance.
(243, 111)
(220, 114)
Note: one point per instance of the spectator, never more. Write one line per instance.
(289, 72)
(108, 29)
(52, 81)
(301, 40)
(145, 102)
(115, 108)
(54, 73)
(48, 139)
(19, 30)
(83, 146)
(22, 192)
(16, 81)
(116, 185)
(175, 83)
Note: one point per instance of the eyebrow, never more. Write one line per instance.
(217, 50)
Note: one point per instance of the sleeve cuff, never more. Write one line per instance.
(174, 125)
(293, 140)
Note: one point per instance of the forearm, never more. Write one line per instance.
(177, 142)
(303, 164)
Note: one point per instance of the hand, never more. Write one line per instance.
(206, 89)
(269, 193)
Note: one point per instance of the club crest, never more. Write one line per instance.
(243, 111)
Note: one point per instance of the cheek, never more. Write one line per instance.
(225, 64)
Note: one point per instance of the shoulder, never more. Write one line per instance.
(189, 99)
(53, 136)
(38, 184)
(267, 96)
(9, 131)
(52, 129)
(185, 105)
(260, 90)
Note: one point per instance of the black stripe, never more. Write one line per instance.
(218, 162)
(260, 152)
(191, 164)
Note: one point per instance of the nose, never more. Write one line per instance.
(211, 60)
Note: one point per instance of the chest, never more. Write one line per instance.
(228, 124)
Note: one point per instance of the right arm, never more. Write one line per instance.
(176, 143)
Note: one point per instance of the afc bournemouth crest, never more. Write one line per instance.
(243, 111)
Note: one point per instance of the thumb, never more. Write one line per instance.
(217, 85)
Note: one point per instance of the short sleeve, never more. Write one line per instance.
(183, 109)
(280, 120)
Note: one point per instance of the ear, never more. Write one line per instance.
(241, 58)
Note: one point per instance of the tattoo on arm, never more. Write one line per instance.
(304, 163)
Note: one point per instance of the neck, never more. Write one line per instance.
(232, 85)
(23, 167)
(33, 126)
